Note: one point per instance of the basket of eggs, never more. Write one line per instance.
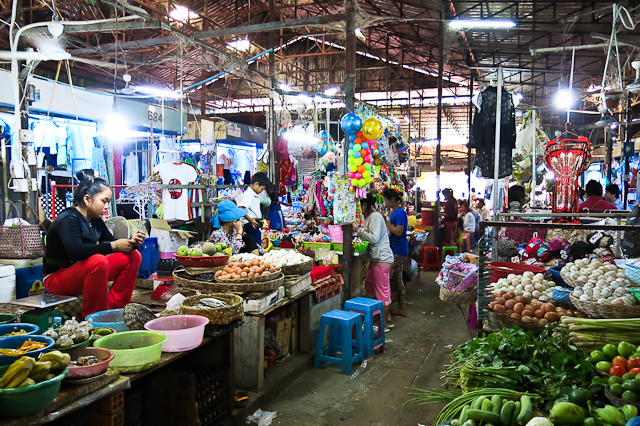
(508, 310)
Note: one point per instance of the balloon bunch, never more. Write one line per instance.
(361, 146)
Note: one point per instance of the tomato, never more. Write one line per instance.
(621, 362)
(618, 370)
(633, 363)
(635, 371)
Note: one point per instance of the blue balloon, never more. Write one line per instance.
(364, 145)
(352, 137)
(356, 154)
(351, 124)
(351, 145)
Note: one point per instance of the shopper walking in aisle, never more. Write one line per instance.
(450, 215)
(397, 224)
(230, 230)
(612, 195)
(375, 232)
(250, 200)
(82, 256)
(594, 202)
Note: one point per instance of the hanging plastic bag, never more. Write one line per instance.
(276, 220)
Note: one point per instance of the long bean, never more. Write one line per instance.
(453, 408)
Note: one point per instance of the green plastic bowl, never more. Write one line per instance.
(135, 351)
(27, 401)
(7, 318)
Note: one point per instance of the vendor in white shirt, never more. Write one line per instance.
(613, 196)
(250, 201)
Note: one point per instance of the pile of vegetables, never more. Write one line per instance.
(529, 285)
(531, 312)
(599, 282)
(519, 360)
(592, 334)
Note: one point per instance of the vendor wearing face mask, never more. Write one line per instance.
(82, 256)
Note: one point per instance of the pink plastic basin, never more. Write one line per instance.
(184, 332)
(104, 355)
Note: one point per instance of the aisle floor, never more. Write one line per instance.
(417, 348)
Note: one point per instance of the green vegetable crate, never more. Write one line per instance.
(317, 246)
(357, 247)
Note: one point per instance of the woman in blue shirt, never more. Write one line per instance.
(397, 225)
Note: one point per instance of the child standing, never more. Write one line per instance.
(250, 200)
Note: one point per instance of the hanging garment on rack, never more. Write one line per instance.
(175, 201)
(568, 158)
(117, 165)
(99, 165)
(484, 132)
(131, 170)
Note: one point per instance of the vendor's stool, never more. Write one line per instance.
(369, 308)
(448, 250)
(430, 257)
(341, 327)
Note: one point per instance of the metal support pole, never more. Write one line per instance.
(496, 164)
(573, 62)
(534, 154)
(271, 119)
(350, 89)
(470, 129)
(439, 127)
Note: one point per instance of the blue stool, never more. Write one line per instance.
(369, 308)
(341, 328)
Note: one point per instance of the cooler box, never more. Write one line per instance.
(7, 283)
(28, 273)
(150, 257)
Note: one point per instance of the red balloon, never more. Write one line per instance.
(357, 141)
(363, 152)
(360, 135)
(368, 151)
(362, 169)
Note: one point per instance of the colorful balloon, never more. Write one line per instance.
(368, 180)
(362, 169)
(363, 152)
(358, 140)
(357, 161)
(350, 153)
(351, 123)
(352, 138)
(364, 145)
(362, 182)
(357, 154)
(358, 175)
(352, 175)
(361, 135)
(366, 174)
(367, 159)
(367, 166)
(351, 160)
(354, 182)
(353, 168)
(357, 147)
(372, 128)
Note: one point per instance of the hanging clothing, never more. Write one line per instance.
(175, 201)
(99, 165)
(131, 170)
(484, 132)
(568, 158)
(117, 165)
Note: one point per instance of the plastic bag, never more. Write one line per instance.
(262, 418)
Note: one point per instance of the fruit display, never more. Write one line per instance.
(599, 282)
(282, 258)
(26, 371)
(70, 333)
(529, 285)
(529, 311)
(618, 360)
(204, 250)
(27, 346)
(249, 269)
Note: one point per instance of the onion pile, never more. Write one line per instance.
(529, 285)
(599, 282)
(531, 312)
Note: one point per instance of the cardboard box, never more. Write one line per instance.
(261, 304)
(470, 258)
(282, 329)
(169, 240)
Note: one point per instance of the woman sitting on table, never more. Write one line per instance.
(82, 256)
(230, 230)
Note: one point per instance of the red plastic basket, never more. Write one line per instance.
(503, 269)
(203, 261)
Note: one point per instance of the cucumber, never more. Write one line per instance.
(486, 405)
(470, 422)
(463, 414)
(484, 416)
(526, 410)
(514, 414)
(477, 404)
(506, 411)
(496, 404)
(456, 422)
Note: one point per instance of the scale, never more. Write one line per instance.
(44, 311)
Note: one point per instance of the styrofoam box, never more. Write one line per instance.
(257, 306)
(7, 283)
(298, 286)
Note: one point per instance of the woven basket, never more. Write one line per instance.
(459, 298)
(299, 269)
(22, 241)
(188, 282)
(567, 279)
(597, 310)
(500, 321)
(259, 279)
(616, 401)
(221, 316)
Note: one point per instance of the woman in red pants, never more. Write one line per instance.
(82, 256)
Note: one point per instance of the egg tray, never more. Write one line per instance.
(597, 310)
(258, 279)
(206, 283)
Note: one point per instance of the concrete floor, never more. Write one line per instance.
(417, 348)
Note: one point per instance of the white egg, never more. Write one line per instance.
(536, 294)
(527, 294)
(529, 288)
(519, 292)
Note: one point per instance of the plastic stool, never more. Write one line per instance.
(434, 252)
(446, 250)
(341, 327)
(369, 308)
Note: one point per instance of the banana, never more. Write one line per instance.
(59, 361)
(25, 363)
(17, 379)
(27, 382)
(40, 370)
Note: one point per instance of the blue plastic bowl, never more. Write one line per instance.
(112, 318)
(10, 328)
(15, 342)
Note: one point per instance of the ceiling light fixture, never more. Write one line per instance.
(563, 99)
(158, 92)
(285, 87)
(359, 34)
(239, 45)
(182, 14)
(331, 91)
(491, 24)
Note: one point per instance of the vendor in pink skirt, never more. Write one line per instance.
(375, 232)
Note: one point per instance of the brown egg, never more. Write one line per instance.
(509, 311)
(499, 308)
(538, 314)
(543, 321)
(552, 317)
(244, 274)
(515, 316)
(509, 304)
(522, 299)
(501, 300)
(502, 293)
(527, 319)
(517, 308)
(492, 304)
(527, 313)
(535, 320)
